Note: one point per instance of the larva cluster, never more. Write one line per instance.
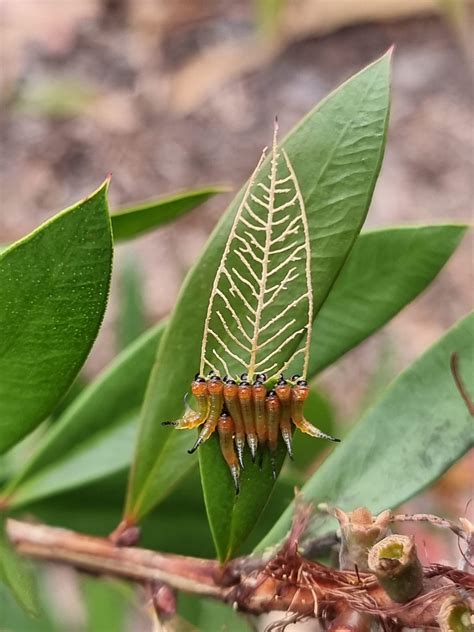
(245, 412)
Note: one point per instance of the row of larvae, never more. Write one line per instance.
(244, 412)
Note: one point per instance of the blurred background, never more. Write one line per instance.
(171, 95)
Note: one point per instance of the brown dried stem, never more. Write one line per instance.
(286, 581)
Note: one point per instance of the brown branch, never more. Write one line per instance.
(286, 581)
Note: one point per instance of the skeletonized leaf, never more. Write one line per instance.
(136, 220)
(261, 309)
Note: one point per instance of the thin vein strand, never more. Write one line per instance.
(230, 333)
(276, 334)
(242, 279)
(280, 347)
(287, 261)
(234, 315)
(225, 348)
(222, 361)
(284, 312)
(248, 266)
(237, 291)
(255, 217)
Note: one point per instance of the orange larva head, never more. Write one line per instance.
(225, 425)
(272, 403)
(301, 390)
(215, 385)
(283, 390)
(259, 391)
(231, 389)
(245, 390)
(199, 386)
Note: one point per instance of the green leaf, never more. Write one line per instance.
(106, 602)
(386, 270)
(419, 428)
(131, 313)
(15, 574)
(13, 617)
(336, 153)
(53, 292)
(228, 511)
(94, 436)
(133, 221)
(334, 217)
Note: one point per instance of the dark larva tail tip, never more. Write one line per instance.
(273, 462)
(195, 446)
(235, 476)
(168, 423)
(240, 454)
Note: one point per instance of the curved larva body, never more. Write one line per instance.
(225, 428)
(231, 400)
(246, 405)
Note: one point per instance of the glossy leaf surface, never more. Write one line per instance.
(417, 430)
(15, 574)
(136, 220)
(54, 285)
(341, 141)
(386, 270)
(131, 314)
(95, 435)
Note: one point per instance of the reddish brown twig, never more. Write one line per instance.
(286, 581)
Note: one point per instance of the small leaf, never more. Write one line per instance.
(53, 292)
(386, 270)
(106, 602)
(415, 433)
(136, 220)
(131, 313)
(101, 416)
(104, 453)
(340, 142)
(15, 574)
